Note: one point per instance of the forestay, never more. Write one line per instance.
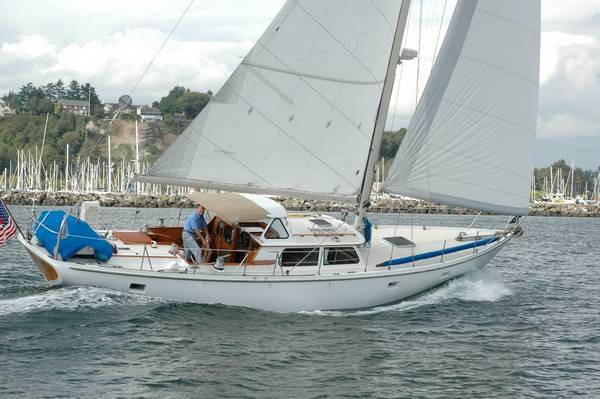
(470, 141)
(297, 116)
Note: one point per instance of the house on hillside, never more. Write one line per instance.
(111, 108)
(5, 109)
(147, 113)
(76, 107)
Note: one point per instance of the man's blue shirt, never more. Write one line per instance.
(195, 221)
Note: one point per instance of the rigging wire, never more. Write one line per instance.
(137, 83)
(161, 47)
(437, 41)
(420, 49)
(399, 78)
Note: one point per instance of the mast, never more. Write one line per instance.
(109, 187)
(386, 96)
(67, 170)
(137, 155)
(572, 178)
(39, 165)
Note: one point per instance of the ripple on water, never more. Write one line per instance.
(73, 299)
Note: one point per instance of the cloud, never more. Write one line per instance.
(570, 77)
(110, 44)
(560, 46)
(115, 65)
(563, 125)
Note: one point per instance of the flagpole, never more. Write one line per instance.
(12, 217)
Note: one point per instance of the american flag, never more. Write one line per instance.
(8, 228)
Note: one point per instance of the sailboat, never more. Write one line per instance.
(303, 116)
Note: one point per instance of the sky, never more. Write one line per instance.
(110, 43)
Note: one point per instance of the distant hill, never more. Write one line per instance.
(86, 136)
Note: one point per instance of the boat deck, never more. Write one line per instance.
(391, 247)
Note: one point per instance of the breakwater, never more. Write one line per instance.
(384, 205)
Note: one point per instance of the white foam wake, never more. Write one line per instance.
(480, 286)
(79, 298)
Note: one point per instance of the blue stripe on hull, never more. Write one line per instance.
(434, 254)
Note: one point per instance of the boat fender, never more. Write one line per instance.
(368, 232)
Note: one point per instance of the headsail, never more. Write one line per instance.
(297, 116)
(471, 138)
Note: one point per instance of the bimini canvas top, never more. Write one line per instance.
(236, 208)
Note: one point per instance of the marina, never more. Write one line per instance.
(379, 205)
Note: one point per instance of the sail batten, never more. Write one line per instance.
(470, 141)
(298, 114)
(313, 76)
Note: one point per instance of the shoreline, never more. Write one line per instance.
(382, 205)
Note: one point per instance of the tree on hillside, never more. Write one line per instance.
(33, 100)
(12, 99)
(60, 90)
(182, 100)
(40, 104)
(168, 104)
(24, 132)
(192, 103)
(88, 90)
(55, 91)
(390, 143)
(24, 94)
(50, 91)
(74, 91)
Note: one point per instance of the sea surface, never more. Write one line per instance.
(527, 326)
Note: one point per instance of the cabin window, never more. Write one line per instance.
(228, 234)
(300, 257)
(276, 231)
(340, 256)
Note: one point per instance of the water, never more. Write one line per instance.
(527, 326)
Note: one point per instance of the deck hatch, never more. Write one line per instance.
(399, 242)
(320, 222)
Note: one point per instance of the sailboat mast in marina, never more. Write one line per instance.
(303, 116)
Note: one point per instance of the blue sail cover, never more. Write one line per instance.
(77, 235)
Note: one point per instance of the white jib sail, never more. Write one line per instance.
(470, 141)
(297, 116)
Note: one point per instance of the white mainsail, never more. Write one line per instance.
(471, 138)
(297, 116)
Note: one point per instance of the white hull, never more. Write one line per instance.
(270, 292)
